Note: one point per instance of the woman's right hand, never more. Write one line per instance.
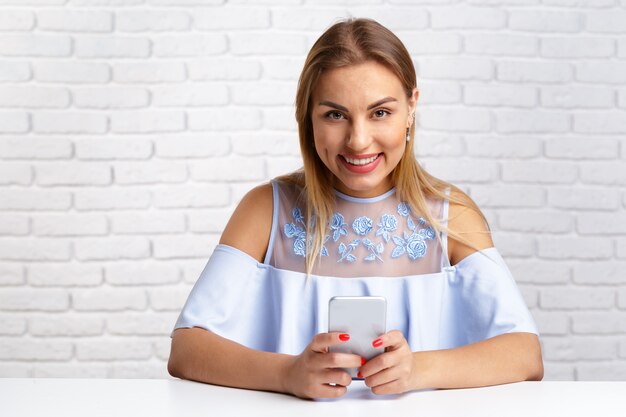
(310, 373)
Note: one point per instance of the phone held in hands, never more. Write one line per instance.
(364, 318)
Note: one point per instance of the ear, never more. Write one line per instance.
(412, 106)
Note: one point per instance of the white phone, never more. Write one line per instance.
(364, 319)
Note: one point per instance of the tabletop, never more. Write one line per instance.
(172, 397)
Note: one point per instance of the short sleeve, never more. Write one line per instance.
(489, 301)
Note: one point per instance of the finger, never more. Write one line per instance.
(379, 363)
(392, 339)
(340, 360)
(336, 376)
(322, 341)
(329, 391)
(383, 377)
(392, 387)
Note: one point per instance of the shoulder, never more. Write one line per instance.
(466, 220)
(250, 225)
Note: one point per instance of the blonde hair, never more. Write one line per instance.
(351, 42)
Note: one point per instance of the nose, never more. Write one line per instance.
(359, 137)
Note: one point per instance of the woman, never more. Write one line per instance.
(361, 218)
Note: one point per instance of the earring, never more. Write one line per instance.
(408, 138)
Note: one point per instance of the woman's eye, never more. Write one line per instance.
(381, 110)
(333, 113)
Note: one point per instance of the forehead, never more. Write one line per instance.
(367, 80)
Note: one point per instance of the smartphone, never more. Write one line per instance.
(364, 319)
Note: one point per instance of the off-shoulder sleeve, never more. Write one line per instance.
(489, 301)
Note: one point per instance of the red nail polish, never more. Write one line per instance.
(377, 343)
(363, 361)
(359, 375)
(344, 337)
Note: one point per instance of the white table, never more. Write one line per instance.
(161, 397)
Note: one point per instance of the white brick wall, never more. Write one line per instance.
(130, 129)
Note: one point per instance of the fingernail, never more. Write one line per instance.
(363, 361)
(377, 343)
(359, 375)
(344, 337)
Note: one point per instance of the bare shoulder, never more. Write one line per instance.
(250, 225)
(468, 223)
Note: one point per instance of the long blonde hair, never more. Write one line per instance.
(351, 42)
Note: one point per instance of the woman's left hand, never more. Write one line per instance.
(391, 372)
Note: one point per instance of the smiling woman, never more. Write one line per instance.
(360, 218)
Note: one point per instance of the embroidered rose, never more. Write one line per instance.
(415, 246)
(388, 223)
(403, 209)
(338, 226)
(362, 225)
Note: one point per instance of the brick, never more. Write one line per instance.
(439, 92)
(457, 68)
(265, 43)
(514, 244)
(530, 296)
(124, 370)
(621, 45)
(11, 274)
(89, 249)
(621, 298)
(71, 370)
(69, 224)
(279, 118)
(577, 298)
(609, 21)
(142, 273)
(576, 348)
(14, 225)
(72, 72)
(582, 148)
(234, 18)
(503, 147)
(113, 349)
(69, 122)
(33, 148)
(610, 173)
(111, 97)
(162, 348)
(15, 173)
(144, 324)
(546, 21)
(531, 121)
(582, 198)
(112, 47)
(36, 45)
(501, 45)
(14, 199)
(577, 97)
(192, 268)
(120, 3)
(557, 371)
(191, 196)
(224, 68)
(621, 248)
(459, 170)
(17, 20)
(464, 17)
(168, 299)
(428, 43)
(28, 249)
(601, 372)
(229, 169)
(64, 275)
(118, 148)
(601, 122)
(33, 2)
(499, 95)
(147, 223)
(148, 121)
(598, 323)
(588, 248)
(281, 68)
(208, 220)
(540, 272)
(513, 195)
(12, 325)
(542, 172)
(280, 165)
(177, 247)
(99, 199)
(601, 223)
(15, 71)
(75, 21)
(454, 119)
(249, 144)
(154, 21)
(534, 71)
(622, 98)
(14, 122)
(148, 72)
(535, 222)
(552, 323)
(190, 45)
(29, 349)
(577, 47)
(192, 145)
(600, 273)
(151, 172)
(267, 93)
(77, 173)
(442, 145)
(105, 299)
(65, 325)
(601, 72)
(579, 3)
(34, 97)
(30, 299)
(193, 94)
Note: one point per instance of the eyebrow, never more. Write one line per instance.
(371, 106)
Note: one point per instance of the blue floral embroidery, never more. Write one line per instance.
(413, 245)
(388, 223)
(338, 226)
(403, 209)
(375, 250)
(345, 251)
(293, 230)
(362, 225)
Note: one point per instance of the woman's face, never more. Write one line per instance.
(360, 115)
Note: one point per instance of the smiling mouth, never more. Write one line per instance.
(360, 162)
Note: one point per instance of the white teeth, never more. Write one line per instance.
(361, 161)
